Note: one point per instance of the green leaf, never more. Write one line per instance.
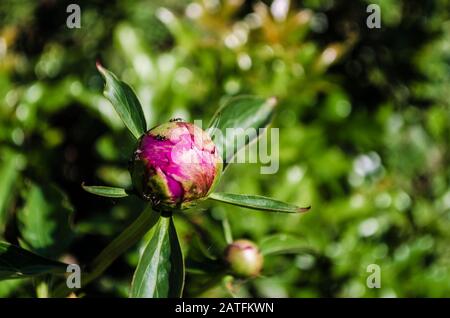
(125, 102)
(103, 191)
(256, 202)
(177, 260)
(8, 177)
(44, 221)
(282, 244)
(160, 271)
(245, 112)
(16, 262)
(10, 287)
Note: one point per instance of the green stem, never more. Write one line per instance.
(227, 230)
(129, 237)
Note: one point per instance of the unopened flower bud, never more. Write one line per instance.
(174, 165)
(244, 258)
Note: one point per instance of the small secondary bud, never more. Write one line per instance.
(244, 258)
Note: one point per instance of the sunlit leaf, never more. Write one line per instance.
(110, 192)
(125, 102)
(160, 271)
(242, 116)
(256, 202)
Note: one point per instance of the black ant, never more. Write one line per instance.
(160, 138)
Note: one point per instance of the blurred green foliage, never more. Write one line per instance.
(364, 119)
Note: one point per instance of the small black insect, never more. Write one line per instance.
(176, 119)
(147, 197)
(160, 138)
(152, 198)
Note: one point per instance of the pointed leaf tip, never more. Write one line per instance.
(256, 202)
(272, 101)
(100, 67)
(124, 101)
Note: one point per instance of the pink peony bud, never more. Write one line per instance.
(244, 258)
(175, 164)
